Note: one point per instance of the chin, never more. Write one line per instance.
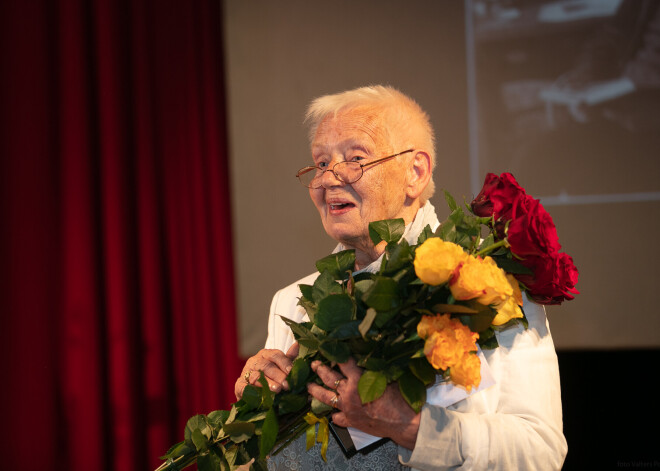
(345, 235)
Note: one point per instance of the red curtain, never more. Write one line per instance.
(117, 297)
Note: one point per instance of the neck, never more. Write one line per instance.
(364, 258)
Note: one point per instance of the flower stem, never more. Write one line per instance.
(490, 248)
(180, 462)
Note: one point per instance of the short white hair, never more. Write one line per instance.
(408, 121)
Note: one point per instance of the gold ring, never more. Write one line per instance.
(337, 383)
(246, 376)
(334, 401)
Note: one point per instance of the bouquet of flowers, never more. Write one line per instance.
(418, 320)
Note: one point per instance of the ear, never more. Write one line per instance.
(419, 173)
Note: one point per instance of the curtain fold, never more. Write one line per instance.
(118, 285)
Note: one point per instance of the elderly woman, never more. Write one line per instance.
(373, 156)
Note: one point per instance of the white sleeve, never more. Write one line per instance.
(285, 304)
(515, 424)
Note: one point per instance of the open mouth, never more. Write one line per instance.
(338, 207)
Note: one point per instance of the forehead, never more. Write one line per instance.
(358, 126)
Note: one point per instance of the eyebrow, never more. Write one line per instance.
(320, 149)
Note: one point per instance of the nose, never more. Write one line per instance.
(329, 178)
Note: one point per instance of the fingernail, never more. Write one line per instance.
(285, 384)
(288, 369)
(274, 388)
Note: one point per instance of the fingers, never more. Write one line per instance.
(331, 378)
(275, 366)
(278, 360)
(336, 390)
(325, 395)
(350, 369)
(292, 353)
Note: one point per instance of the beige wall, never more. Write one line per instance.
(280, 55)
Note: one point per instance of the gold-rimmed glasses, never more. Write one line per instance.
(347, 171)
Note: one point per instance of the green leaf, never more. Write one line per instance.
(201, 442)
(481, 320)
(306, 291)
(335, 350)
(399, 256)
(267, 396)
(487, 242)
(393, 372)
(309, 307)
(177, 450)
(297, 377)
(230, 455)
(338, 265)
(512, 266)
(268, 434)
(382, 295)
(302, 332)
(319, 407)
(488, 340)
(413, 390)
(325, 285)
(345, 331)
(196, 422)
(424, 235)
(212, 461)
(451, 202)
(361, 287)
(233, 412)
(254, 416)
(457, 216)
(291, 403)
(455, 308)
(371, 363)
(389, 230)
(423, 370)
(334, 311)
(239, 431)
(365, 325)
(251, 397)
(446, 231)
(371, 386)
(384, 317)
(218, 417)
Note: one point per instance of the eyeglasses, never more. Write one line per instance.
(347, 172)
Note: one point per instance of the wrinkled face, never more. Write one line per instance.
(347, 209)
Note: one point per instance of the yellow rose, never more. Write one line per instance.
(436, 260)
(481, 279)
(429, 324)
(510, 308)
(467, 372)
(447, 340)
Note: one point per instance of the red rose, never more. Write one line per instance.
(482, 206)
(553, 280)
(531, 231)
(497, 196)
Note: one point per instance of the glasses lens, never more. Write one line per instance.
(307, 175)
(349, 172)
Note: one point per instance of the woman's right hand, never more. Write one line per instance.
(274, 363)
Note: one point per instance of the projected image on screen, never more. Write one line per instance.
(566, 96)
(571, 85)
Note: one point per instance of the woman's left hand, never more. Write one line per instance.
(388, 416)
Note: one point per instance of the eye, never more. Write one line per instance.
(357, 158)
(322, 165)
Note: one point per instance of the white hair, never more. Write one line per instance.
(407, 121)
